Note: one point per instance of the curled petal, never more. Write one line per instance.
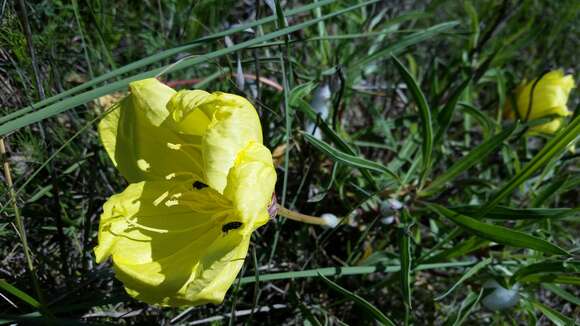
(251, 182)
(234, 124)
(151, 96)
(137, 141)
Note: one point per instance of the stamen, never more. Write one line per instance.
(172, 202)
(174, 175)
(137, 225)
(159, 199)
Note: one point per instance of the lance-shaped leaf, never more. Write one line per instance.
(497, 233)
(552, 148)
(562, 272)
(474, 157)
(361, 302)
(510, 213)
(350, 160)
(424, 113)
(556, 317)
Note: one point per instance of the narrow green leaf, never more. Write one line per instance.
(299, 92)
(562, 293)
(473, 24)
(487, 124)
(559, 184)
(347, 159)
(401, 44)
(556, 317)
(509, 213)
(424, 113)
(556, 278)
(405, 258)
(18, 293)
(472, 244)
(465, 309)
(472, 271)
(466, 162)
(306, 313)
(446, 114)
(552, 148)
(361, 302)
(326, 130)
(350, 270)
(561, 272)
(83, 98)
(497, 233)
(305, 107)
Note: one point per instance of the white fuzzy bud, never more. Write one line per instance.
(500, 298)
(330, 219)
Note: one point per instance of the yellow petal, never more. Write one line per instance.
(548, 127)
(550, 95)
(234, 124)
(167, 243)
(191, 111)
(141, 146)
(151, 96)
(251, 182)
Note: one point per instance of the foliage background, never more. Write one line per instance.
(467, 69)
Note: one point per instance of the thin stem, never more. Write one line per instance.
(18, 219)
(299, 217)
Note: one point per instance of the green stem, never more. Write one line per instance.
(18, 220)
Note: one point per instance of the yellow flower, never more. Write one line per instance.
(200, 183)
(550, 95)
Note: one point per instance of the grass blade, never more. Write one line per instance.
(474, 157)
(497, 233)
(549, 272)
(405, 42)
(472, 271)
(350, 270)
(562, 293)
(509, 213)
(446, 114)
(364, 304)
(405, 258)
(297, 101)
(556, 317)
(19, 294)
(424, 113)
(552, 148)
(347, 159)
(466, 308)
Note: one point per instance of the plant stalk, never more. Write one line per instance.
(299, 217)
(18, 219)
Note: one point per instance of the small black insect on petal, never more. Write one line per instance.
(199, 185)
(231, 226)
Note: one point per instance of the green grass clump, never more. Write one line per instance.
(438, 192)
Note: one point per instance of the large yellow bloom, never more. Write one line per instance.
(200, 183)
(549, 98)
